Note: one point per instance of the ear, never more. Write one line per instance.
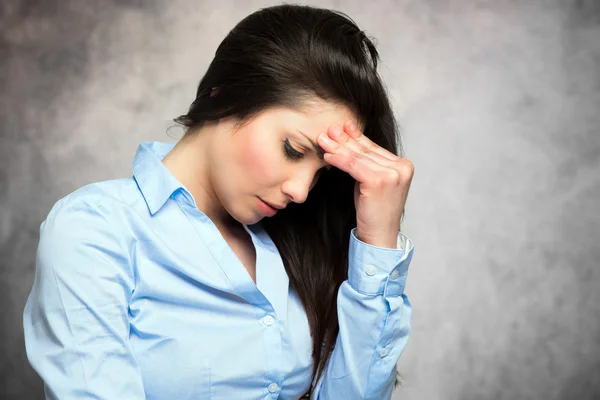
(214, 91)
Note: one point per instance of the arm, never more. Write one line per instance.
(76, 317)
(374, 317)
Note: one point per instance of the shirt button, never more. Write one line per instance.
(383, 352)
(371, 270)
(268, 320)
(394, 274)
(273, 387)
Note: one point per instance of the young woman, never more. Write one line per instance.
(260, 257)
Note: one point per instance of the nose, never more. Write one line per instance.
(298, 187)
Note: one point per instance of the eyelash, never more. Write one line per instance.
(295, 155)
(290, 152)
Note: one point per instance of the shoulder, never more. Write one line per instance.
(103, 198)
(87, 235)
(100, 208)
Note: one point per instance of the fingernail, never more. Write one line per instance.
(323, 138)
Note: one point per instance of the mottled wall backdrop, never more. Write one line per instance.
(500, 107)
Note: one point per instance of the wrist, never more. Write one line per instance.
(388, 241)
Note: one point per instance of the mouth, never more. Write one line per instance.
(265, 207)
(273, 205)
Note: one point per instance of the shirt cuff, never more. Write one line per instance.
(379, 270)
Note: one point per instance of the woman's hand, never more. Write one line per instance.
(382, 182)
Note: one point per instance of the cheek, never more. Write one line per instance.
(259, 164)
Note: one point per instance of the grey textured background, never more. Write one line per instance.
(500, 104)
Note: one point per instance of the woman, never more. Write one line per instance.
(211, 273)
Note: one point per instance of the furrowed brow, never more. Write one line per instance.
(318, 149)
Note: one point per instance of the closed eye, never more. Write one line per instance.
(290, 152)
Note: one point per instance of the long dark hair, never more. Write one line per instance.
(282, 56)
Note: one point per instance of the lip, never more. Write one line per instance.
(266, 208)
(272, 205)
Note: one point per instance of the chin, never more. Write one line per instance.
(247, 218)
(251, 221)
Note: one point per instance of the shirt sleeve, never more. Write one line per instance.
(374, 317)
(76, 316)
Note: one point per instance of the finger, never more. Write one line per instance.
(352, 130)
(360, 167)
(342, 138)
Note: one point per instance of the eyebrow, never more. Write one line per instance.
(318, 149)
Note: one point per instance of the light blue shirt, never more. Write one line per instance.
(138, 296)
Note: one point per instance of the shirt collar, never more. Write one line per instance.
(155, 181)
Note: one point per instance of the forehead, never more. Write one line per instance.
(312, 119)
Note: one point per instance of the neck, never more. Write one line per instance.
(189, 163)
